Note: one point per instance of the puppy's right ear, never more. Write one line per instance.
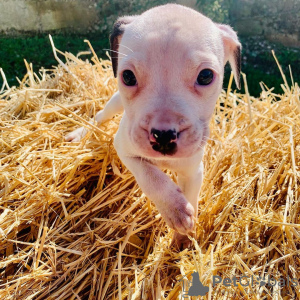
(116, 34)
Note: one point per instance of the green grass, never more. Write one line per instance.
(38, 51)
(259, 64)
(257, 60)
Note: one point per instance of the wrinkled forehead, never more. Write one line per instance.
(172, 39)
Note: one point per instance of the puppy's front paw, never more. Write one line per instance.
(76, 135)
(179, 214)
(181, 242)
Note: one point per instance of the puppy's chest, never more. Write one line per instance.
(165, 164)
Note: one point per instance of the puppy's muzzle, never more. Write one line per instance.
(164, 141)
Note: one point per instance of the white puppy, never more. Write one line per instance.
(169, 62)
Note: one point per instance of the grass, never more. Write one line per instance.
(259, 65)
(37, 50)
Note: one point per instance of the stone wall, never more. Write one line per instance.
(21, 16)
(275, 20)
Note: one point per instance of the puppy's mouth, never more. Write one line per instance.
(165, 149)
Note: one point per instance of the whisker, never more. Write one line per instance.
(125, 47)
(116, 52)
(201, 146)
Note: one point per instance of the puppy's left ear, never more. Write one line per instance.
(115, 37)
(232, 50)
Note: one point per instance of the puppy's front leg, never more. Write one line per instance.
(190, 184)
(166, 195)
(112, 107)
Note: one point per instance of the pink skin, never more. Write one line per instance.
(145, 148)
(168, 101)
(192, 137)
(166, 47)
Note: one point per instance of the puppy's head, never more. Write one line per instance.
(170, 64)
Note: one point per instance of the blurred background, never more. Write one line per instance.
(262, 25)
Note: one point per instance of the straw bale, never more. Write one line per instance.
(75, 225)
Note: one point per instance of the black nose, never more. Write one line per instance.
(165, 141)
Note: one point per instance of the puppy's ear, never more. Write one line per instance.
(232, 51)
(115, 37)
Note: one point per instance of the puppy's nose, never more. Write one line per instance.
(164, 141)
(163, 137)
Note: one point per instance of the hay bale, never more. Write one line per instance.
(75, 225)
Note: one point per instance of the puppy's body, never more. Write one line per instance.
(160, 59)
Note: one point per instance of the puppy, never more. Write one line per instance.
(169, 62)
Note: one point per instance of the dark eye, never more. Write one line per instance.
(129, 78)
(205, 77)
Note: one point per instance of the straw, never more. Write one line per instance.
(75, 225)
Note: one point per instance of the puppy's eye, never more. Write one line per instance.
(129, 78)
(205, 77)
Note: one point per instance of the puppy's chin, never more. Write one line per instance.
(184, 148)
